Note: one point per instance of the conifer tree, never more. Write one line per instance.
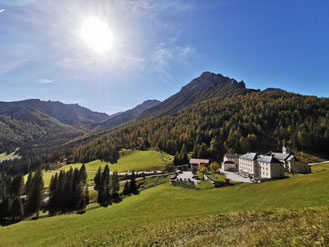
(83, 174)
(126, 189)
(80, 199)
(52, 193)
(28, 183)
(115, 186)
(34, 197)
(98, 178)
(4, 207)
(106, 183)
(87, 194)
(132, 184)
(183, 155)
(16, 210)
(177, 158)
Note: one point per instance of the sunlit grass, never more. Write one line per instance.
(169, 214)
(129, 161)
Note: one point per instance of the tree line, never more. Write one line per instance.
(108, 186)
(18, 201)
(68, 191)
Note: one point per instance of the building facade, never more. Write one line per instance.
(232, 157)
(196, 163)
(290, 163)
(247, 164)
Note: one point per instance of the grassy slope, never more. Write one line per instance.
(5, 155)
(131, 160)
(167, 213)
(137, 160)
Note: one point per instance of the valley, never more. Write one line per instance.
(78, 154)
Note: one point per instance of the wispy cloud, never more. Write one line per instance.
(12, 56)
(17, 3)
(156, 6)
(2, 10)
(44, 81)
(163, 57)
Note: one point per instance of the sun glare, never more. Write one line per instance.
(97, 35)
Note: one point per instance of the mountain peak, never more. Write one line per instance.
(208, 80)
(208, 85)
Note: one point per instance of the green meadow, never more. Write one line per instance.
(277, 213)
(129, 161)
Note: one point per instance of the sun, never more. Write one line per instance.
(97, 35)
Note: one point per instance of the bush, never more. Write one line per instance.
(214, 166)
(202, 169)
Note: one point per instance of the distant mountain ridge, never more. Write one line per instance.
(129, 115)
(208, 85)
(71, 114)
(34, 121)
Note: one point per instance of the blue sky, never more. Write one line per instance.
(159, 46)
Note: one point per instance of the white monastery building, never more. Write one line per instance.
(271, 165)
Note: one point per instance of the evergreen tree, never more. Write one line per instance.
(80, 198)
(98, 178)
(177, 158)
(53, 190)
(115, 186)
(101, 197)
(107, 183)
(16, 210)
(34, 197)
(87, 194)
(183, 155)
(203, 151)
(196, 151)
(132, 185)
(4, 207)
(126, 189)
(28, 183)
(83, 174)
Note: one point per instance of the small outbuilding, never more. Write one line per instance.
(195, 163)
(230, 166)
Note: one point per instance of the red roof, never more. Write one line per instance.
(199, 161)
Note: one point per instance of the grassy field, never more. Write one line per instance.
(46, 177)
(287, 212)
(129, 161)
(311, 158)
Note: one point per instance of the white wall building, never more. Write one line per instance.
(290, 163)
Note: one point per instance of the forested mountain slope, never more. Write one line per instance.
(71, 114)
(208, 85)
(37, 122)
(257, 121)
(129, 115)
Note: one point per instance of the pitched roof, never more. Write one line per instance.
(280, 156)
(291, 157)
(228, 162)
(233, 156)
(249, 156)
(199, 161)
(267, 159)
